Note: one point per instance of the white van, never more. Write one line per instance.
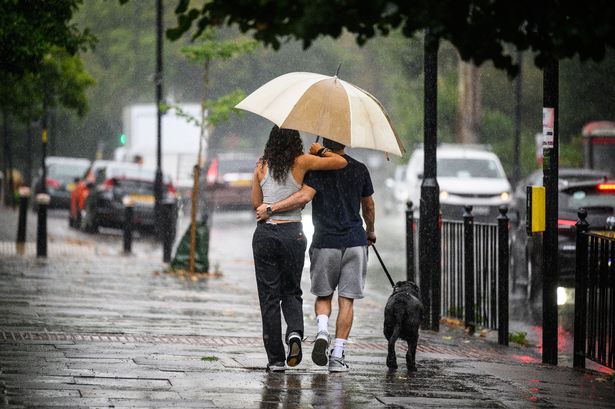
(467, 175)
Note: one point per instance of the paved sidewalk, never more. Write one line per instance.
(99, 329)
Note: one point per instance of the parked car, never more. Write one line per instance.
(228, 181)
(467, 175)
(597, 197)
(565, 176)
(113, 183)
(63, 174)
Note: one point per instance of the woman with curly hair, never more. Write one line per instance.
(279, 244)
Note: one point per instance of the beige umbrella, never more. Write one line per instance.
(328, 107)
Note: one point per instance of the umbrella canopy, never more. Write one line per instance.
(328, 107)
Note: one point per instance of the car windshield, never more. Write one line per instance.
(468, 168)
(131, 172)
(66, 172)
(572, 200)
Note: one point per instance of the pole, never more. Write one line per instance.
(42, 201)
(129, 206)
(158, 177)
(580, 292)
(193, 213)
(503, 260)
(168, 233)
(517, 131)
(24, 195)
(468, 269)
(429, 232)
(550, 245)
(410, 273)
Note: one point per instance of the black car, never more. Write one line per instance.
(597, 197)
(62, 174)
(118, 182)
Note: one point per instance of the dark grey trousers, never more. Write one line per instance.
(279, 253)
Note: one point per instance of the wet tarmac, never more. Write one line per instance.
(91, 327)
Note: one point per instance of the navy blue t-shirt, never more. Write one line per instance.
(337, 204)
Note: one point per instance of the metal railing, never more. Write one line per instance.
(594, 315)
(474, 284)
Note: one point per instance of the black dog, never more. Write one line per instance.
(402, 317)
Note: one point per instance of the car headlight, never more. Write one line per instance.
(443, 195)
(504, 196)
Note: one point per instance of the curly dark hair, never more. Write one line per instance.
(282, 147)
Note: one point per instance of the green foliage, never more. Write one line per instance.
(571, 154)
(518, 337)
(478, 29)
(65, 81)
(220, 109)
(210, 48)
(210, 358)
(30, 29)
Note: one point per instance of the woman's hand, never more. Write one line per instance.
(315, 148)
(261, 212)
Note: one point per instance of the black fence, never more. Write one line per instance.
(594, 318)
(475, 259)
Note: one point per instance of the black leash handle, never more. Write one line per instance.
(383, 266)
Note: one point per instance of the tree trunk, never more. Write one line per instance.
(469, 107)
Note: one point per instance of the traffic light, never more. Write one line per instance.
(123, 139)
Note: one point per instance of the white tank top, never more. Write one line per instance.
(274, 191)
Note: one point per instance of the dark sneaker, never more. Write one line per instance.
(321, 346)
(276, 367)
(294, 350)
(338, 364)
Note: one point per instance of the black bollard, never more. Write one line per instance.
(129, 206)
(168, 228)
(24, 195)
(580, 291)
(42, 201)
(503, 260)
(410, 272)
(468, 269)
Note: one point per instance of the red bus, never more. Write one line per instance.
(599, 146)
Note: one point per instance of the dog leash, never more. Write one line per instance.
(383, 266)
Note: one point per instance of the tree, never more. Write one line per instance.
(30, 28)
(479, 29)
(213, 111)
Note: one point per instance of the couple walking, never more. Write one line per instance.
(340, 187)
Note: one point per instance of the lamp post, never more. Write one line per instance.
(550, 147)
(158, 177)
(429, 231)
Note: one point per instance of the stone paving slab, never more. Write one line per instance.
(109, 331)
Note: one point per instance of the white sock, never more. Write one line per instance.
(338, 347)
(323, 323)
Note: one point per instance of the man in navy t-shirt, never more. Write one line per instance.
(338, 254)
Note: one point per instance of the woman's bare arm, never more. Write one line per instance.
(329, 161)
(257, 192)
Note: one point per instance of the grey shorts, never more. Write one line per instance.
(344, 269)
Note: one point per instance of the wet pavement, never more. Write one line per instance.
(91, 327)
